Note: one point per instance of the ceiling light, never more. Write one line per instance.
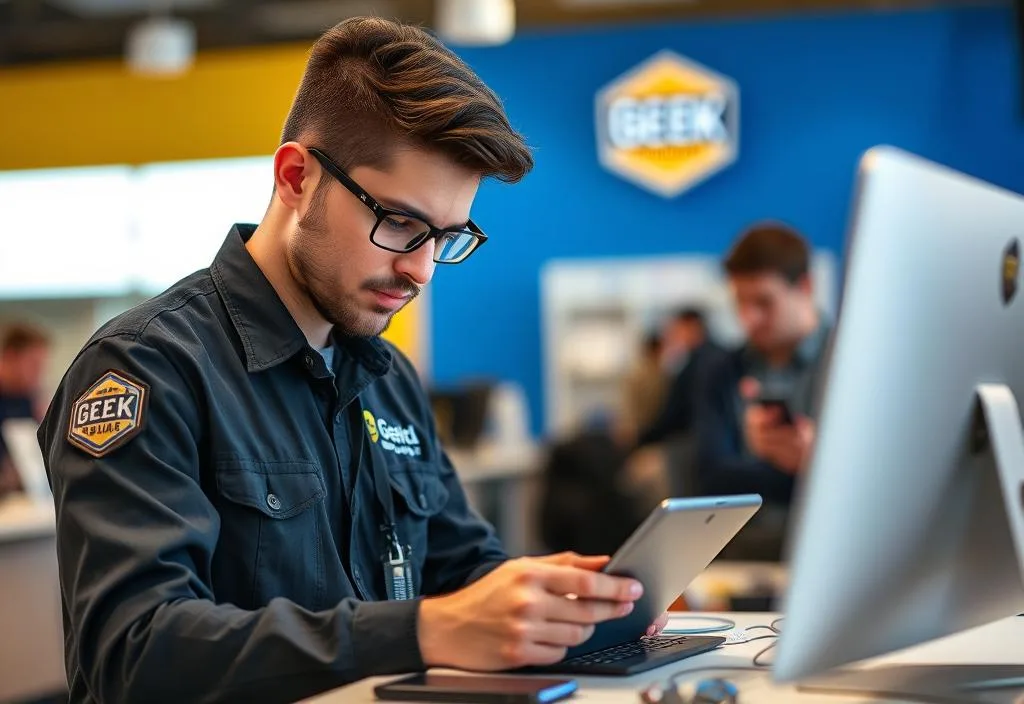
(161, 46)
(476, 22)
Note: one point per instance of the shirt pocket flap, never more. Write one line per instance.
(421, 490)
(275, 489)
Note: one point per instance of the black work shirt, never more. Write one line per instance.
(676, 416)
(217, 538)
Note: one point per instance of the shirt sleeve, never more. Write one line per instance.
(723, 466)
(135, 539)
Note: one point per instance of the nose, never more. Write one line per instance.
(417, 265)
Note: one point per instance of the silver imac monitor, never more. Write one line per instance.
(910, 520)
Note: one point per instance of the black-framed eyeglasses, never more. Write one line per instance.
(402, 232)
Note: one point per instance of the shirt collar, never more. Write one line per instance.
(267, 330)
(811, 347)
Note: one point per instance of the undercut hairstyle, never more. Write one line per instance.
(372, 86)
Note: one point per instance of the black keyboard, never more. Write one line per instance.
(637, 656)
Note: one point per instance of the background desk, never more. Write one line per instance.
(996, 643)
(500, 482)
(31, 634)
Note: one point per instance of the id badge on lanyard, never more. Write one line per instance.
(395, 556)
(398, 570)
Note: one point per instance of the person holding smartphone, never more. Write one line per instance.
(755, 421)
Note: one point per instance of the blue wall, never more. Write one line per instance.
(815, 93)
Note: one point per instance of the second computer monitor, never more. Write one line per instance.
(905, 532)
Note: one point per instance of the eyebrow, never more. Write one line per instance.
(392, 204)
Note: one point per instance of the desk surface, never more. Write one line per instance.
(995, 643)
(489, 461)
(22, 519)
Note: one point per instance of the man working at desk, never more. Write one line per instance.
(250, 492)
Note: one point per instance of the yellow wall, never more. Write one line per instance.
(232, 103)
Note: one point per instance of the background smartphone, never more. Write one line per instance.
(781, 402)
(486, 689)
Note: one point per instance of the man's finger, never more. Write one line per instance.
(586, 584)
(785, 436)
(750, 388)
(565, 635)
(584, 611)
(572, 559)
(531, 653)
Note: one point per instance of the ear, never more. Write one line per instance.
(296, 174)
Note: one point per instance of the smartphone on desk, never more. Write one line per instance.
(483, 689)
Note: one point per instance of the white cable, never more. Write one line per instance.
(719, 625)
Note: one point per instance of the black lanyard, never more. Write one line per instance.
(381, 483)
(398, 569)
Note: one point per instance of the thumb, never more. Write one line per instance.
(750, 388)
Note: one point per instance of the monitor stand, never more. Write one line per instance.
(998, 440)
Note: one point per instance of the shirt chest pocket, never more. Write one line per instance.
(419, 494)
(273, 526)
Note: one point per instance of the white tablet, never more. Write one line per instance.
(678, 540)
(670, 548)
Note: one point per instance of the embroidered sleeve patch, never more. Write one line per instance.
(108, 415)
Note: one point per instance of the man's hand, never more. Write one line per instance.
(788, 447)
(658, 626)
(526, 612)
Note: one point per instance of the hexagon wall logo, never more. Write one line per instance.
(668, 124)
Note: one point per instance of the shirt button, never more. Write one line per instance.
(273, 502)
(423, 500)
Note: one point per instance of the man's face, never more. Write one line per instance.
(769, 308)
(682, 337)
(354, 284)
(692, 333)
(24, 369)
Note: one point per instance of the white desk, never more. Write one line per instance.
(31, 634)
(995, 643)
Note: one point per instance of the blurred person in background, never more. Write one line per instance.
(688, 353)
(252, 501)
(663, 461)
(745, 445)
(644, 389)
(24, 354)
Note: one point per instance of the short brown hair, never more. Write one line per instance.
(371, 85)
(770, 248)
(21, 336)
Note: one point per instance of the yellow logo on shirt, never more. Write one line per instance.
(401, 440)
(107, 415)
(371, 426)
